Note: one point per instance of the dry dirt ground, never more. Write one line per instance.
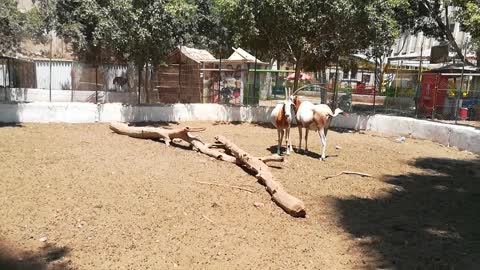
(81, 197)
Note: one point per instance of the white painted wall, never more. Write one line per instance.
(61, 74)
(35, 95)
(465, 138)
(3, 75)
(76, 112)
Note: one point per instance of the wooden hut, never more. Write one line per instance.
(181, 81)
(196, 76)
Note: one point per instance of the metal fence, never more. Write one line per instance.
(444, 104)
(440, 97)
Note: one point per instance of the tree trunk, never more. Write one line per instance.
(167, 135)
(322, 80)
(298, 64)
(478, 57)
(287, 202)
(268, 78)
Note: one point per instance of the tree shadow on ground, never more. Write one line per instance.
(236, 123)
(49, 257)
(344, 130)
(267, 125)
(154, 124)
(430, 220)
(10, 125)
(273, 149)
(296, 151)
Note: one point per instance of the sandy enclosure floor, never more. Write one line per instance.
(106, 201)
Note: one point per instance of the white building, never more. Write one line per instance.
(408, 47)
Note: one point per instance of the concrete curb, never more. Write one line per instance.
(465, 138)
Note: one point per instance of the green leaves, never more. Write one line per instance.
(12, 27)
(469, 16)
(145, 31)
(137, 31)
(320, 31)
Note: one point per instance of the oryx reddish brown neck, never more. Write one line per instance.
(282, 119)
(297, 103)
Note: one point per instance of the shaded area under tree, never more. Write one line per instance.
(429, 221)
(48, 257)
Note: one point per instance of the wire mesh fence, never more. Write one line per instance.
(440, 97)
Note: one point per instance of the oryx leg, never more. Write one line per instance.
(287, 139)
(323, 138)
(280, 139)
(300, 137)
(306, 139)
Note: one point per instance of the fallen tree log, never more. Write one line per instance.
(167, 135)
(290, 204)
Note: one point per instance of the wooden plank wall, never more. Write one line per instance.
(22, 73)
(178, 82)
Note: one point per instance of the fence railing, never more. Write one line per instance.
(73, 81)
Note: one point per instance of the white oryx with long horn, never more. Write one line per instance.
(313, 117)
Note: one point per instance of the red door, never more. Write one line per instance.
(434, 90)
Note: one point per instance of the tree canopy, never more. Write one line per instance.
(11, 24)
(307, 32)
(16, 26)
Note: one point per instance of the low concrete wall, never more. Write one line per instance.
(182, 112)
(465, 138)
(75, 112)
(43, 95)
